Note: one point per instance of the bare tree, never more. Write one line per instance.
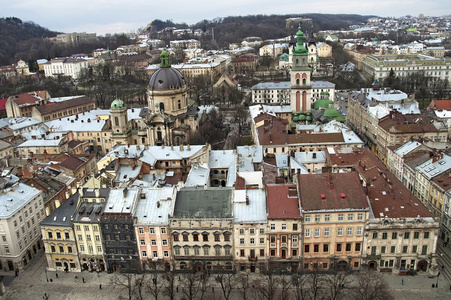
(285, 285)
(125, 281)
(155, 285)
(336, 285)
(299, 283)
(267, 286)
(168, 287)
(140, 282)
(194, 286)
(371, 286)
(243, 287)
(226, 281)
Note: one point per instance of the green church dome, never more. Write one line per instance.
(301, 118)
(322, 103)
(300, 49)
(284, 57)
(331, 113)
(117, 104)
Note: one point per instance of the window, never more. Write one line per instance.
(338, 247)
(195, 237)
(205, 237)
(140, 230)
(155, 254)
(252, 231)
(404, 249)
(177, 251)
(144, 253)
(49, 233)
(262, 252)
(374, 235)
(66, 235)
(406, 235)
(348, 247)
(426, 235)
(217, 238)
(357, 246)
(326, 248)
(252, 241)
(359, 231)
(242, 253)
(317, 232)
(307, 232)
(176, 237)
(186, 251)
(384, 235)
(416, 235)
(317, 218)
(262, 231)
(392, 249)
(383, 248)
(340, 231)
(360, 217)
(165, 242)
(273, 226)
(340, 217)
(87, 227)
(82, 248)
(284, 226)
(295, 227)
(307, 218)
(185, 237)
(306, 248)
(316, 248)
(241, 231)
(424, 250)
(349, 231)
(242, 241)
(394, 235)
(163, 230)
(88, 237)
(80, 237)
(294, 238)
(326, 232)
(153, 242)
(414, 249)
(373, 250)
(151, 230)
(165, 253)
(327, 218)
(350, 217)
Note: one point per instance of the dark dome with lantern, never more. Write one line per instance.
(166, 77)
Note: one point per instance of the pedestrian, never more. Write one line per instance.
(443, 267)
(213, 289)
(177, 289)
(402, 282)
(17, 272)
(100, 286)
(56, 275)
(83, 279)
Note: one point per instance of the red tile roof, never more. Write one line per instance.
(442, 104)
(28, 98)
(414, 123)
(280, 204)
(387, 195)
(57, 106)
(331, 191)
(273, 131)
(2, 103)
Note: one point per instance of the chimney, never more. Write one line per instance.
(158, 204)
(247, 200)
(57, 203)
(124, 191)
(97, 193)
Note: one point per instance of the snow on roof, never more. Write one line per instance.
(282, 161)
(310, 157)
(224, 159)
(155, 207)
(252, 178)
(407, 148)
(22, 122)
(255, 211)
(121, 200)
(198, 176)
(248, 156)
(127, 173)
(431, 169)
(61, 99)
(83, 122)
(15, 198)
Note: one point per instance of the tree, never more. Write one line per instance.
(335, 285)
(155, 285)
(125, 281)
(243, 287)
(370, 286)
(226, 282)
(168, 287)
(194, 285)
(267, 286)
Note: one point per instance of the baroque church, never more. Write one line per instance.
(167, 120)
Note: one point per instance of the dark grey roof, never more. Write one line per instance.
(61, 217)
(166, 79)
(203, 203)
(90, 212)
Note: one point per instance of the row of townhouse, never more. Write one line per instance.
(356, 216)
(425, 171)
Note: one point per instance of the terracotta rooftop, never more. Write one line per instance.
(440, 104)
(58, 106)
(388, 196)
(28, 98)
(411, 123)
(443, 181)
(75, 143)
(2, 103)
(280, 204)
(328, 191)
(317, 138)
(271, 130)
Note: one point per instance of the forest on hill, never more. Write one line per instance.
(29, 41)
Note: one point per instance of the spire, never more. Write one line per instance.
(164, 57)
(300, 49)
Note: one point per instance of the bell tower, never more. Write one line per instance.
(301, 89)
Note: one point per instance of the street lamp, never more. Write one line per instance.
(46, 277)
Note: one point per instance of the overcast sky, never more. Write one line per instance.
(115, 16)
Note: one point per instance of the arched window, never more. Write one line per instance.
(116, 121)
(304, 81)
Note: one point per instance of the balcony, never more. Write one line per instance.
(373, 256)
(252, 258)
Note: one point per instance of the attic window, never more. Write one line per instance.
(54, 218)
(342, 195)
(323, 196)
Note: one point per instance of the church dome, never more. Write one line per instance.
(322, 103)
(117, 104)
(166, 78)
